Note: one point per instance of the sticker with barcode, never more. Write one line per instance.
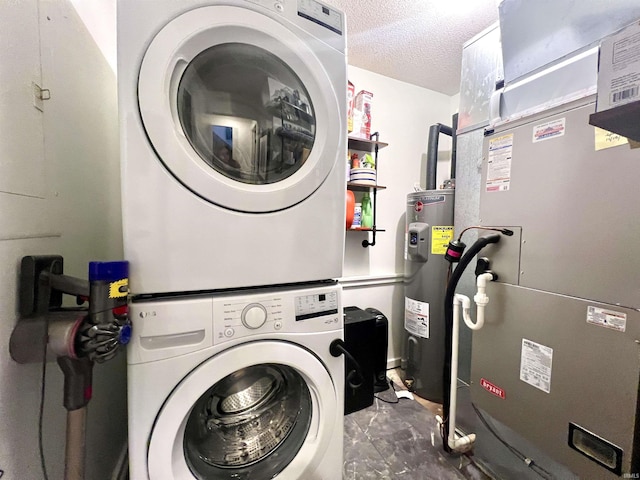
(626, 94)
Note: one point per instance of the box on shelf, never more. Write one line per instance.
(362, 114)
(619, 68)
(618, 98)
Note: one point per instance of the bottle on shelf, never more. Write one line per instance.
(357, 215)
(367, 212)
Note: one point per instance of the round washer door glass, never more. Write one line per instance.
(252, 422)
(213, 421)
(240, 108)
(246, 113)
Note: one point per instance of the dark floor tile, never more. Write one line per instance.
(399, 441)
(361, 459)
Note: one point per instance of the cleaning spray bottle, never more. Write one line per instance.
(367, 211)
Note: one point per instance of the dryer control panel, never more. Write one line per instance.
(291, 311)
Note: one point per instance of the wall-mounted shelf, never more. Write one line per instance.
(623, 120)
(364, 145)
(360, 229)
(363, 187)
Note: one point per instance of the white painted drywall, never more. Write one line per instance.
(402, 113)
(77, 215)
(99, 17)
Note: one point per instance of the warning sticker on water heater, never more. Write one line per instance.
(499, 163)
(416, 317)
(535, 365)
(607, 318)
(440, 238)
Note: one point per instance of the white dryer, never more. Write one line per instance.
(237, 386)
(233, 141)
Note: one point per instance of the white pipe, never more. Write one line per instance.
(461, 443)
(481, 299)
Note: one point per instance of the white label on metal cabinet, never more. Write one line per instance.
(607, 318)
(535, 365)
(499, 163)
(619, 68)
(416, 317)
(545, 131)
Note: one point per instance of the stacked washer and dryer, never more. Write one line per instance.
(232, 122)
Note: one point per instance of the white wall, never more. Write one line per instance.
(76, 214)
(402, 113)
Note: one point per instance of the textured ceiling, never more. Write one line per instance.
(416, 41)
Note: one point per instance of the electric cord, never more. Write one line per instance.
(528, 461)
(43, 305)
(43, 463)
(393, 387)
(504, 231)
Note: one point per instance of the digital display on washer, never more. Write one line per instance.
(316, 305)
(321, 14)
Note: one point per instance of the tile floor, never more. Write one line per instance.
(400, 441)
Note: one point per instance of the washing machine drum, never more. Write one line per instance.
(259, 414)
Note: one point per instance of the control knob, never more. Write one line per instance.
(254, 316)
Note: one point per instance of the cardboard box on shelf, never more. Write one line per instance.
(362, 114)
(619, 68)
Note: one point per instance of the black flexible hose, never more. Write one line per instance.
(354, 378)
(448, 326)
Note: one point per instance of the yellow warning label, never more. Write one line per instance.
(440, 238)
(119, 288)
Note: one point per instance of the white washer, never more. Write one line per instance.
(237, 386)
(233, 140)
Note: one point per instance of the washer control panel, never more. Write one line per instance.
(291, 311)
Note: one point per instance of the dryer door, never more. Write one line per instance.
(253, 411)
(240, 108)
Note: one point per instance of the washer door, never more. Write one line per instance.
(251, 412)
(240, 109)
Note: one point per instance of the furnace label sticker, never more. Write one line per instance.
(416, 317)
(552, 129)
(607, 318)
(440, 238)
(499, 163)
(535, 365)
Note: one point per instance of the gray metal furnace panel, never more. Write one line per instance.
(535, 34)
(593, 377)
(504, 255)
(579, 208)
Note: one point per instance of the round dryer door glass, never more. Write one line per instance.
(250, 424)
(246, 113)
